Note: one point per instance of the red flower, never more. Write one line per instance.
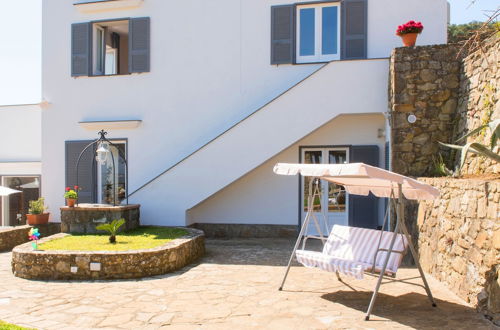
(68, 189)
(409, 27)
(76, 187)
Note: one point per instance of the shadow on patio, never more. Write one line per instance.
(411, 309)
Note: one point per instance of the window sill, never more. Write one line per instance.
(341, 60)
(110, 124)
(110, 75)
(106, 5)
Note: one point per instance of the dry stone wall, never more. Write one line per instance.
(425, 82)
(478, 102)
(459, 240)
(100, 265)
(13, 236)
(450, 95)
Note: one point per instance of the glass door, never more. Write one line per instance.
(105, 179)
(15, 206)
(332, 207)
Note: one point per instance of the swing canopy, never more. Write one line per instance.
(361, 179)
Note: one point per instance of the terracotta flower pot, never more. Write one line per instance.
(70, 202)
(409, 39)
(38, 219)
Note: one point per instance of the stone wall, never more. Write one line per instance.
(459, 240)
(13, 236)
(57, 265)
(478, 102)
(221, 230)
(450, 95)
(84, 218)
(425, 82)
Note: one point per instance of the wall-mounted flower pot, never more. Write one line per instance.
(409, 39)
(38, 219)
(70, 202)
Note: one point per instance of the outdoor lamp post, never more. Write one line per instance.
(101, 156)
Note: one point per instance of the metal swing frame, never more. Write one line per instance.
(400, 229)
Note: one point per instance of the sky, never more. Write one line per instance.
(20, 44)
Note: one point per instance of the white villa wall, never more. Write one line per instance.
(291, 117)
(20, 145)
(209, 68)
(389, 13)
(20, 133)
(262, 197)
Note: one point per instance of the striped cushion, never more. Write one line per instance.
(350, 250)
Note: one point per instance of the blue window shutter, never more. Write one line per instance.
(87, 171)
(81, 49)
(139, 45)
(282, 34)
(354, 29)
(363, 210)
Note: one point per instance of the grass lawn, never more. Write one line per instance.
(8, 326)
(136, 239)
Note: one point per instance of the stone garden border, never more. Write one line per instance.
(10, 237)
(98, 265)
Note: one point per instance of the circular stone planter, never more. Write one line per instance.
(97, 265)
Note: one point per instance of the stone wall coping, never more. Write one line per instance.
(100, 207)
(2, 229)
(451, 179)
(27, 248)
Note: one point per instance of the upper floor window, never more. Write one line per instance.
(110, 47)
(318, 33)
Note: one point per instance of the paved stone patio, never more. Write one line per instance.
(234, 286)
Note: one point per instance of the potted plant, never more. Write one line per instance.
(36, 212)
(71, 196)
(409, 32)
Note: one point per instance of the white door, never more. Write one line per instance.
(332, 207)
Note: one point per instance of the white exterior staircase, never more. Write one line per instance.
(339, 87)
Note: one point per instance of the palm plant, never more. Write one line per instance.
(478, 148)
(112, 228)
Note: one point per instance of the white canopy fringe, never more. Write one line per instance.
(361, 179)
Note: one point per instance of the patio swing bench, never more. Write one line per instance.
(353, 251)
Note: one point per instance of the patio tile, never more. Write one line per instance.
(234, 287)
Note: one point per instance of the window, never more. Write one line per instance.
(318, 33)
(13, 208)
(114, 47)
(311, 33)
(332, 206)
(110, 41)
(96, 180)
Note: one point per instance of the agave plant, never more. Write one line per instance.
(112, 228)
(478, 148)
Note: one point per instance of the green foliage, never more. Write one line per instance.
(8, 326)
(37, 207)
(112, 227)
(440, 168)
(458, 33)
(71, 194)
(478, 148)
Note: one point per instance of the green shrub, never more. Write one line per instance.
(37, 207)
(112, 228)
